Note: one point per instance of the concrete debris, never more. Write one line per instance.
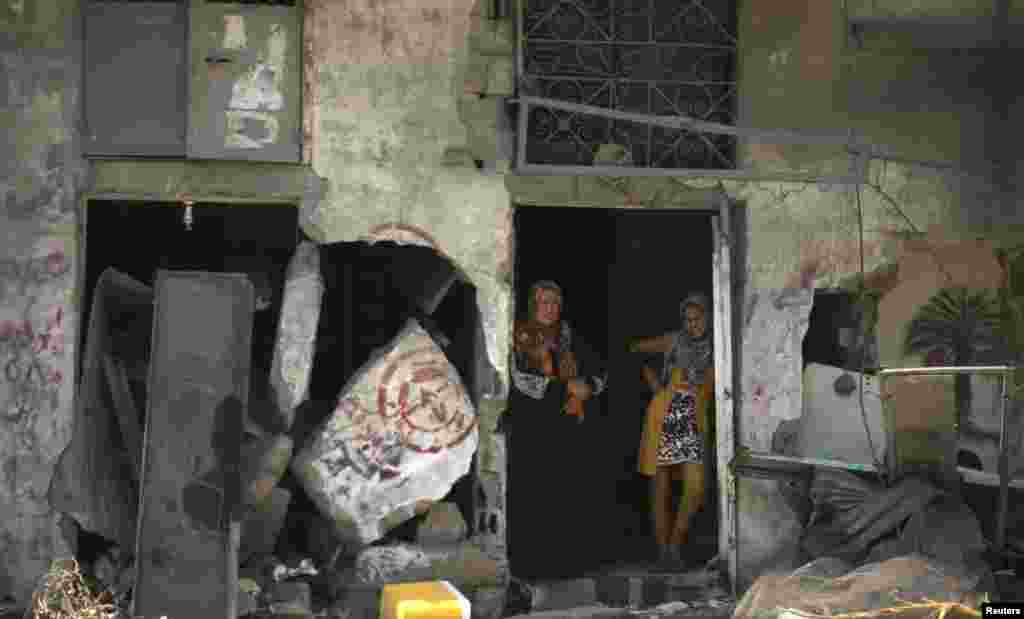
(443, 524)
(463, 565)
(262, 524)
(304, 568)
(296, 331)
(264, 462)
(404, 430)
(289, 598)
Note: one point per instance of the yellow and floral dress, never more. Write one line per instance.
(675, 424)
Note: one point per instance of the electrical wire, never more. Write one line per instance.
(883, 473)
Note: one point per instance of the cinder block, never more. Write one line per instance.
(564, 594)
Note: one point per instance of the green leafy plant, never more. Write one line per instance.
(957, 326)
(1011, 311)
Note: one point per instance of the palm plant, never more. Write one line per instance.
(957, 327)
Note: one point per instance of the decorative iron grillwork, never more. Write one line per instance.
(660, 57)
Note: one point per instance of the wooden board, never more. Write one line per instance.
(200, 359)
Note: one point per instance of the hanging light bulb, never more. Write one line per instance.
(188, 219)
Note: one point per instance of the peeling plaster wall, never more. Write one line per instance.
(383, 82)
(40, 175)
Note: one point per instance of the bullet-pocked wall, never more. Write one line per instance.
(41, 173)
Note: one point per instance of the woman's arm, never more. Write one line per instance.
(651, 378)
(659, 344)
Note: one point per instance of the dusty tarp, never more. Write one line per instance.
(850, 514)
(824, 587)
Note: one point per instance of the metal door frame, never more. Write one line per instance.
(725, 436)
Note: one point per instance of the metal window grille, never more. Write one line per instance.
(639, 56)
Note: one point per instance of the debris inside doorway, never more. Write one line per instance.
(408, 354)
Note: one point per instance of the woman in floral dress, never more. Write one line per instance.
(673, 443)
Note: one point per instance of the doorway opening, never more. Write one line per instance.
(623, 275)
(125, 243)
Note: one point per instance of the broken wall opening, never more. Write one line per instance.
(623, 274)
(371, 291)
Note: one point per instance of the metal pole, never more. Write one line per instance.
(948, 370)
(1004, 470)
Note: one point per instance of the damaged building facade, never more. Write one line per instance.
(878, 154)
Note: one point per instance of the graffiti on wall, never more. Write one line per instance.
(32, 339)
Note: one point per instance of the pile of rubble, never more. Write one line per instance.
(402, 431)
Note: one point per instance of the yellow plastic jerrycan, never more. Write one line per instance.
(436, 599)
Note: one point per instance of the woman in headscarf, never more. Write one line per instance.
(674, 436)
(554, 378)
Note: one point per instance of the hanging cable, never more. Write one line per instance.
(882, 472)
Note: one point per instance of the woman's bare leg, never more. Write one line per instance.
(690, 503)
(661, 507)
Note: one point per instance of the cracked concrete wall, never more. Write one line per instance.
(384, 81)
(40, 176)
(798, 71)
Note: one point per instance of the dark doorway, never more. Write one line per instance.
(623, 278)
(137, 238)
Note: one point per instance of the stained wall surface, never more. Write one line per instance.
(41, 173)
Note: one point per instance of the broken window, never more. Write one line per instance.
(656, 58)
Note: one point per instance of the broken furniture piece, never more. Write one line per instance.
(198, 388)
(95, 478)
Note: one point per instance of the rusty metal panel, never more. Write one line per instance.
(245, 99)
(134, 90)
(199, 368)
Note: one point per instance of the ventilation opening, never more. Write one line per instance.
(623, 275)
(371, 291)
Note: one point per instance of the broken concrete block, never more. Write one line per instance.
(832, 425)
(464, 566)
(264, 462)
(443, 524)
(263, 524)
(290, 598)
(488, 602)
(404, 431)
(296, 331)
(564, 594)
